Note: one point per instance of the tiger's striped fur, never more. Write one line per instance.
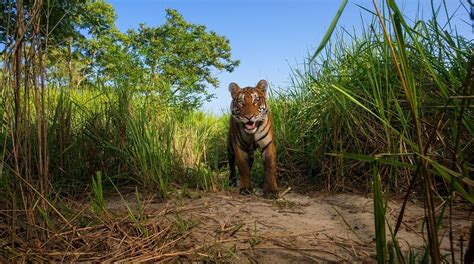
(251, 129)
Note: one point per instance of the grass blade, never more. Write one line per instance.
(330, 30)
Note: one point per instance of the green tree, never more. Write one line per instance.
(180, 58)
(174, 62)
(92, 28)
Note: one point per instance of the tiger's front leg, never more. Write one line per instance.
(243, 159)
(269, 161)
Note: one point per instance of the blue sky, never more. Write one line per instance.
(268, 37)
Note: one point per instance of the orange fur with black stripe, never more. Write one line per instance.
(251, 129)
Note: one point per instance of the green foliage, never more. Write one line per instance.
(174, 63)
(133, 141)
(98, 204)
(135, 218)
(394, 99)
(78, 60)
(379, 217)
(350, 101)
(128, 140)
(395, 102)
(182, 225)
(151, 151)
(328, 34)
(201, 145)
(119, 103)
(59, 19)
(181, 55)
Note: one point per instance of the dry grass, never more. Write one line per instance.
(110, 236)
(220, 227)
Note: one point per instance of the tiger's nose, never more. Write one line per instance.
(248, 116)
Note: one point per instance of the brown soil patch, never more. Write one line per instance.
(228, 227)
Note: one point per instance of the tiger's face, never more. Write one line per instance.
(249, 106)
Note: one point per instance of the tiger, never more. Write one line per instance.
(250, 129)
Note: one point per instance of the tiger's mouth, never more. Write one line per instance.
(250, 127)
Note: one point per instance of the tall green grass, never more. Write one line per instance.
(201, 146)
(99, 139)
(351, 103)
(122, 135)
(395, 97)
(387, 110)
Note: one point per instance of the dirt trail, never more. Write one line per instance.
(298, 228)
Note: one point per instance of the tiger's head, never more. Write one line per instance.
(249, 107)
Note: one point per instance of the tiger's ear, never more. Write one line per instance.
(262, 85)
(233, 89)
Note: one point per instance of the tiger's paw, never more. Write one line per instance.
(245, 191)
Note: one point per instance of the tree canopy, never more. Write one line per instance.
(176, 61)
(182, 56)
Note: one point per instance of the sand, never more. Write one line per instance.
(320, 227)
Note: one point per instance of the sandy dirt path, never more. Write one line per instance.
(228, 227)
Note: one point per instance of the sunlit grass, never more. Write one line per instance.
(387, 111)
(394, 98)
